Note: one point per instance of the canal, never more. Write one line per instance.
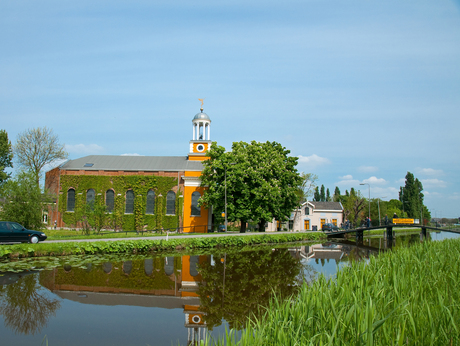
(162, 300)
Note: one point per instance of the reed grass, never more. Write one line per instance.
(406, 297)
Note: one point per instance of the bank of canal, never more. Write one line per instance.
(160, 298)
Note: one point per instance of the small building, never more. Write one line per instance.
(310, 216)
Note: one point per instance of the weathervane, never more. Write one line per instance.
(202, 101)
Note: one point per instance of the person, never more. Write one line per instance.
(368, 219)
(386, 219)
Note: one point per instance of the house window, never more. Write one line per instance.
(323, 221)
(196, 210)
(129, 206)
(291, 224)
(171, 203)
(71, 200)
(90, 198)
(109, 200)
(306, 224)
(307, 211)
(150, 206)
(334, 222)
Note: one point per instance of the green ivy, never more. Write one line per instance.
(140, 185)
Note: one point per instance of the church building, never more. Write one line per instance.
(138, 192)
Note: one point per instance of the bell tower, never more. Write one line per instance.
(201, 139)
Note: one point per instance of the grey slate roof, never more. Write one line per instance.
(327, 205)
(133, 163)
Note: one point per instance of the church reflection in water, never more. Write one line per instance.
(161, 282)
(210, 289)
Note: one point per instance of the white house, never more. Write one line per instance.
(310, 216)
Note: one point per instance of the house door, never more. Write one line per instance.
(323, 221)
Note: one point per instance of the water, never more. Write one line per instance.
(162, 300)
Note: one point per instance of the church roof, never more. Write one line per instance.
(132, 163)
(201, 116)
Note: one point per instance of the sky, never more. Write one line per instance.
(362, 91)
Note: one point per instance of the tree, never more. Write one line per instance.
(24, 202)
(322, 194)
(38, 147)
(328, 195)
(317, 196)
(6, 156)
(261, 182)
(336, 196)
(411, 196)
(354, 206)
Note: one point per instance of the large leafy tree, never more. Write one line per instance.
(38, 147)
(261, 181)
(23, 201)
(6, 156)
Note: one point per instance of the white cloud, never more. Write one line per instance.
(430, 171)
(455, 196)
(85, 149)
(374, 180)
(134, 154)
(430, 183)
(367, 169)
(313, 160)
(346, 177)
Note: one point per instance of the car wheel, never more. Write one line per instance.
(34, 239)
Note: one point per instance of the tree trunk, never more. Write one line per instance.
(261, 226)
(243, 227)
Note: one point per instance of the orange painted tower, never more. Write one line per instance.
(197, 219)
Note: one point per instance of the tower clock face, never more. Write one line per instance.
(200, 147)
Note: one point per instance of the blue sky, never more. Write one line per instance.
(361, 91)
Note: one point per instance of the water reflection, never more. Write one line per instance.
(24, 307)
(204, 290)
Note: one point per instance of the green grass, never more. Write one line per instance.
(149, 245)
(405, 297)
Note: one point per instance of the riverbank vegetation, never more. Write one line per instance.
(149, 245)
(404, 297)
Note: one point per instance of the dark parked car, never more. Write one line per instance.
(329, 227)
(14, 232)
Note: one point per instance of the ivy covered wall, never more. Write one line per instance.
(140, 185)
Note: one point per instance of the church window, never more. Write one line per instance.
(129, 204)
(196, 210)
(307, 211)
(150, 206)
(171, 203)
(90, 198)
(109, 200)
(71, 200)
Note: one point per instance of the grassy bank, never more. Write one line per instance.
(147, 246)
(406, 297)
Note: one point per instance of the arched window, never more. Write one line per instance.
(90, 197)
(171, 203)
(150, 206)
(109, 200)
(196, 210)
(71, 200)
(129, 207)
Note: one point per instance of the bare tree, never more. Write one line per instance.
(36, 148)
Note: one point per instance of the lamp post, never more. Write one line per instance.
(369, 198)
(378, 204)
(225, 182)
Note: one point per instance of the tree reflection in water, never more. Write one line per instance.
(24, 308)
(251, 279)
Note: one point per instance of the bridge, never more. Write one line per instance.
(389, 233)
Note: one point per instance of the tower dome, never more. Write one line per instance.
(201, 116)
